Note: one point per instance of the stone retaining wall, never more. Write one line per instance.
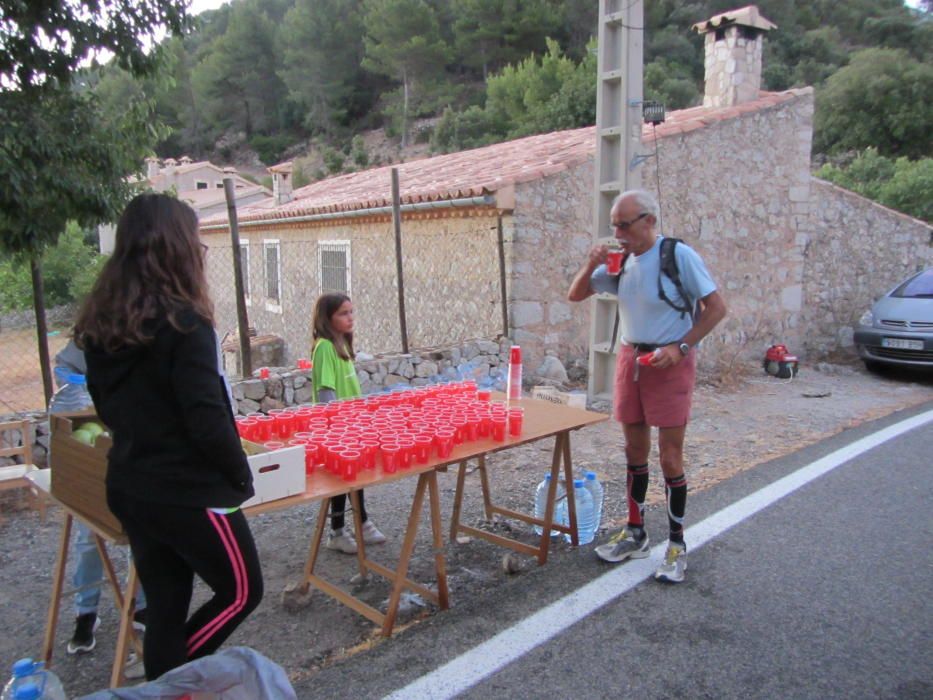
(480, 359)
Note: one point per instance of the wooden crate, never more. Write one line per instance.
(79, 470)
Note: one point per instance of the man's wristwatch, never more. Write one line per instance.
(684, 349)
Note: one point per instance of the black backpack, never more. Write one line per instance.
(669, 268)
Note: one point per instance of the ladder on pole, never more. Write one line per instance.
(618, 141)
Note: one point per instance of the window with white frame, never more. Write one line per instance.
(333, 266)
(272, 266)
(244, 268)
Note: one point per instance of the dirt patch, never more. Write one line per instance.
(732, 430)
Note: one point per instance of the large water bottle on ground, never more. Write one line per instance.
(596, 491)
(586, 513)
(541, 504)
(72, 397)
(28, 673)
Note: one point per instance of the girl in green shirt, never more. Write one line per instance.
(333, 376)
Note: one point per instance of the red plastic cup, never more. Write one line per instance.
(265, 425)
(349, 464)
(614, 262)
(283, 425)
(246, 427)
(312, 456)
(516, 419)
(273, 445)
(389, 454)
(484, 394)
(472, 428)
(263, 372)
(406, 452)
(645, 360)
(369, 449)
(444, 439)
(423, 444)
(499, 428)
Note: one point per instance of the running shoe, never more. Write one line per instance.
(622, 546)
(675, 564)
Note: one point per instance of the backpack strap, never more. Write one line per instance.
(669, 268)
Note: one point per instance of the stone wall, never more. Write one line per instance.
(451, 279)
(856, 252)
(736, 190)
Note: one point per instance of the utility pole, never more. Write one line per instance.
(620, 65)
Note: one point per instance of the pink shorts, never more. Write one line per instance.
(658, 397)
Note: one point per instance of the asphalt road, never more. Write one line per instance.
(823, 593)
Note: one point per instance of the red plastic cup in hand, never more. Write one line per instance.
(614, 262)
(645, 360)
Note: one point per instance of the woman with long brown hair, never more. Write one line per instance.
(176, 474)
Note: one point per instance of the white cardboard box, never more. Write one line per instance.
(549, 393)
(275, 474)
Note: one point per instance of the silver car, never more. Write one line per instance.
(898, 329)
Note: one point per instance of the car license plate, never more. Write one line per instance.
(902, 343)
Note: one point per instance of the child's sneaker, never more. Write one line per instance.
(371, 534)
(83, 640)
(341, 541)
(623, 546)
(674, 565)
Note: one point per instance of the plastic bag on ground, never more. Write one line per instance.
(238, 673)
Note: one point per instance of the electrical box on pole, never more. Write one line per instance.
(620, 64)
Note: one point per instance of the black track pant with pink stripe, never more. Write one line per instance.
(172, 544)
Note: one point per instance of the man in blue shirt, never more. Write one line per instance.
(658, 390)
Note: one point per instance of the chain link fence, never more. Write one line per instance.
(20, 371)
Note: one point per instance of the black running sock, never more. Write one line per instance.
(676, 489)
(636, 487)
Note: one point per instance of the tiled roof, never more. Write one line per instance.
(483, 170)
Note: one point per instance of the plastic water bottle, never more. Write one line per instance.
(28, 673)
(596, 491)
(586, 513)
(73, 396)
(541, 504)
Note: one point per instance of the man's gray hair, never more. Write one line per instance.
(647, 202)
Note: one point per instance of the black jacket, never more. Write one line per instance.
(174, 438)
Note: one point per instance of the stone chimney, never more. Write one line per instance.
(733, 56)
(152, 167)
(282, 182)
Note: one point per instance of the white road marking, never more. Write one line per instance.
(483, 660)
